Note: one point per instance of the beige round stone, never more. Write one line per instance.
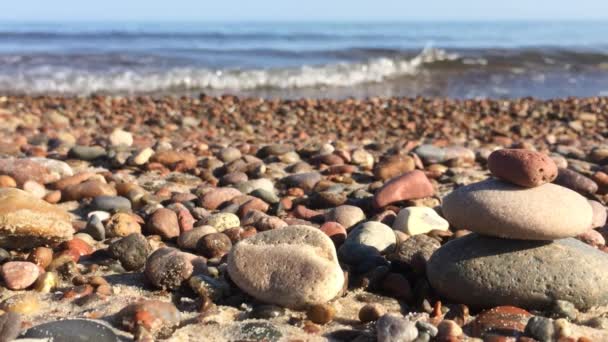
(496, 208)
(122, 224)
(222, 221)
(295, 266)
(120, 137)
(142, 157)
(419, 220)
(27, 221)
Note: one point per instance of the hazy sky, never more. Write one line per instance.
(287, 10)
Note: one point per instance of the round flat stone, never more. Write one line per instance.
(496, 208)
(484, 272)
(18, 275)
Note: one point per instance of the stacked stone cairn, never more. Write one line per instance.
(522, 250)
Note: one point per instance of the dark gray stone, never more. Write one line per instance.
(482, 272)
(4, 255)
(540, 328)
(132, 251)
(111, 203)
(87, 152)
(10, 326)
(414, 253)
(73, 330)
(266, 196)
(427, 327)
(274, 150)
(266, 312)
(95, 228)
(431, 154)
(306, 180)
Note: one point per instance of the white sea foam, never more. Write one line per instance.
(43, 79)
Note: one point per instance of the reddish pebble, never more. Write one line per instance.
(19, 275)
(89, 189)
(501, 320)
(7, 182)
(601, 178)
(340, 169)
(53, 197)
(214, 198)
(449, 330)
(72, 180)
(286, 203)
(411, 185)
(335, 231)
(522, 167)
(184, 160)
(164, 222)
(184, 218)
(248, 232)
(71, 253)
(41, 256)
(214, 245)
(78, 292)
(593, 238)
(153, 315)
(304, 213)
(295, 192)
(253, 204)
(79, 246)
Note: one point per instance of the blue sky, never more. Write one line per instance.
(300, 10)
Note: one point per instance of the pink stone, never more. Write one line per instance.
(214, 198)
(19, 275)
(185, 219)
(592, 237)
(335, 231)
(304, 213)
(164, 223)
(410, 185)
(253, 204)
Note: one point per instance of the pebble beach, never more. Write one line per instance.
(203, 218)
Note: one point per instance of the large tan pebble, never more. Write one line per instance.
(295, 266)
(496, 208)
(27, 221)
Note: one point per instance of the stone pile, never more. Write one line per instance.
(522, 251)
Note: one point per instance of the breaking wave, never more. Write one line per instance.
(70, 80)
